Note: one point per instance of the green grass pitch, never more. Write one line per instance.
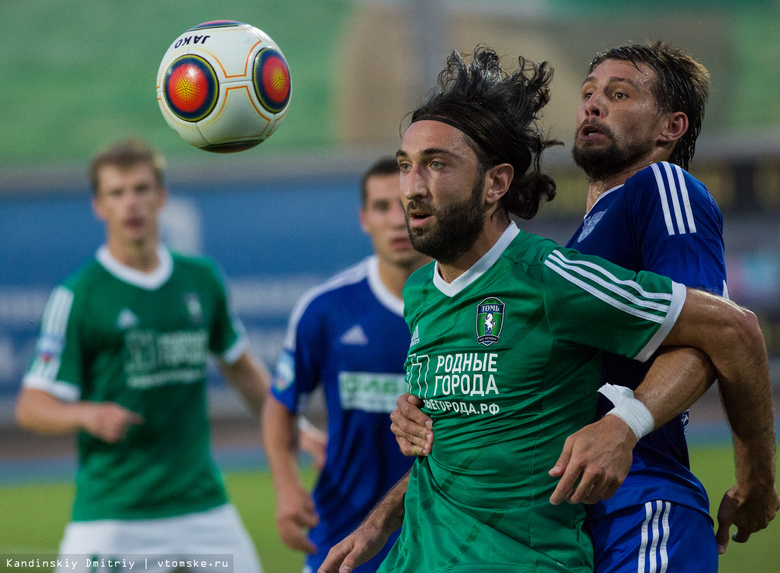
(32, 517)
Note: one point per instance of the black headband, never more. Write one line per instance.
(459, 126)
(524, 151)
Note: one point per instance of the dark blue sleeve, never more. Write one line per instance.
(679, 228)
(299, 368)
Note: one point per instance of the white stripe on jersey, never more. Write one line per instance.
(568, 269)
(675, 201)
(54, 325)
(656, 512)
(55, 315)
(685, 198)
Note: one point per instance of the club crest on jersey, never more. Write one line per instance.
(126, 319)
(589, 224)
(490, 320)
(192, 302)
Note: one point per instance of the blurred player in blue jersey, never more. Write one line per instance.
(640, 114)
(347, 336)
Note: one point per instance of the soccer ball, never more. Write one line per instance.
(223, 86)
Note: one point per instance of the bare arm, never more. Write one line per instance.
(40, 412)
(737, 349)
(366, 541)
(600, 454)
(250, 378)
(730, 337)
(295, 512)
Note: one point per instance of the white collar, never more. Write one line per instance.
(147, 281)
(380, 291)
(478, 268)
(604, 194)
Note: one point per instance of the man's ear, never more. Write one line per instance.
(676, 126)
(498, 179)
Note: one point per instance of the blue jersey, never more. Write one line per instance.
(349, 336)
(662, 220)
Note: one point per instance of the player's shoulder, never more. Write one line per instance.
(198, 269)
(338, 287)
(194, 263)
(89, 275)
(530, 249)
(664, 181)
(420, 276)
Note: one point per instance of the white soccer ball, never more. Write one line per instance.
(224, 86)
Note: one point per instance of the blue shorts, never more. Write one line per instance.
(657, 537)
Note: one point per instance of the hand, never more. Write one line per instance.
(360, 546)
(109, 422)
(412, 428)
(749, 511)
(295, 515)
(600, 456)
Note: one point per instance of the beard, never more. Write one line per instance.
(455, 229)
(600, 164)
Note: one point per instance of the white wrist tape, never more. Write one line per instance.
(629, 409)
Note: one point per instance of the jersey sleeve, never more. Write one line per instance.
(56, 366)
(679, 228)
(298, 370)
(592, 302)
(228, 339)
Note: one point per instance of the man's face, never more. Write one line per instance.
(382, 218)
(129, 201)
(618, 120)
(442, 190)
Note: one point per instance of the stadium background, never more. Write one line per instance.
(281, 217)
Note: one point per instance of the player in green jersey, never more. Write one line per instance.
(122, 361)
(507, 330)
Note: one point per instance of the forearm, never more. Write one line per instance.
(281, 444)
(251, 379)
(677, 378)
(388, 515)
(732, 339)
(40, 412)
(750, 412)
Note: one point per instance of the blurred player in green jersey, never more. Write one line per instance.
(121, 361)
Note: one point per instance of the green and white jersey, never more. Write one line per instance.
(110, 333)
(507, 361)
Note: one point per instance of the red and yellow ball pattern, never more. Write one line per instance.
(272, 80)
(191, 88)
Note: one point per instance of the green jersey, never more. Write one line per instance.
(112, 334)
(506, 359)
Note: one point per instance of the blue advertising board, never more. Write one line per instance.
(273, 241)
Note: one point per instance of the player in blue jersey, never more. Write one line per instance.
(645, 212)
(347, 336)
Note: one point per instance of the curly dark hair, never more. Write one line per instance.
(498, 112)
(682, 84)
